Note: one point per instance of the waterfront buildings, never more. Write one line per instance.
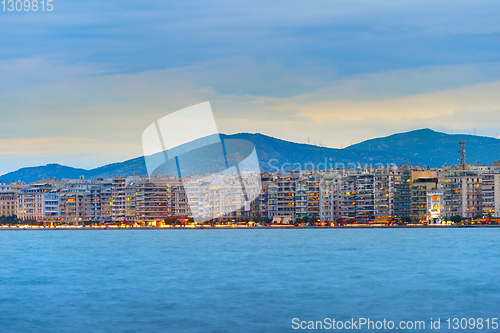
(375, 195)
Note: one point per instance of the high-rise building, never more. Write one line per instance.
(462, 194)
(384, 192)
(402, 195)
(330, 197)
(358, 196)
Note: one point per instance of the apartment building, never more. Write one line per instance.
(285, 196)
(402, 195)
(358, 196)
(148, 201)
(418, 197)
(75, 208)
(271, 208)
(93, 199)
(312, 183)
(490, 189)
(462, 194)
(8, 200)
(112, 192)
(263, 210)
(384, 192)
(330, 197)
(181, 207)
(435, 206)
(37, 202)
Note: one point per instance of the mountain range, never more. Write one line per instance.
(422, 147)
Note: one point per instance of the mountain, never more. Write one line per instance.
(43, 172)
(421, 147)
(434, 148)
(31, 174)
(274, 153)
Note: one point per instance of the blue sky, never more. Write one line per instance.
(81, 83)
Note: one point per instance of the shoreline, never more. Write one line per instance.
(280, 227)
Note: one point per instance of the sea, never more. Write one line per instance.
(248, 280)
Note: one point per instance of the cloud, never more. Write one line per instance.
(352, 36)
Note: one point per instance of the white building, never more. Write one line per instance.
(490, 188)
(435, 206)
(330, 197)
(38, 202)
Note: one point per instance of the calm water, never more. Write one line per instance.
(242, 280)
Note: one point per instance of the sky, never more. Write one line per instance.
(80, 84)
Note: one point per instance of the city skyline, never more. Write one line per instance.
(384, 195)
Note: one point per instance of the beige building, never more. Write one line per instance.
(462, 194)
(8, 200)
(75, 207)
(37, 202)
(149, 201)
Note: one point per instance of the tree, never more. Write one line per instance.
(305, 219)
(405, 219)
(298, 221)
(456, 219)
(12, 219)
(477, 216)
